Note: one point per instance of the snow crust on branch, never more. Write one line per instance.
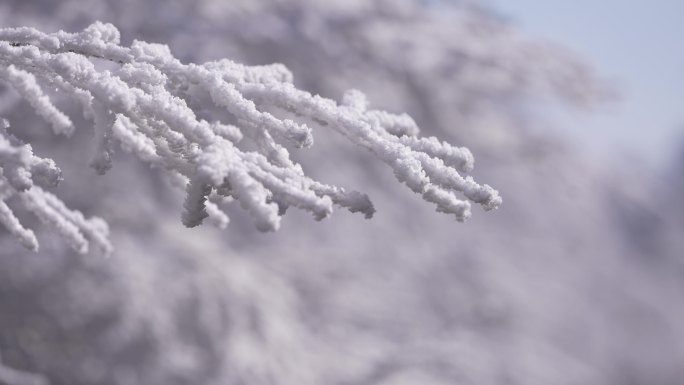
(20, 169)
(165, 112)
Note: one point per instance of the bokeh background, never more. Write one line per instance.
(576, 279)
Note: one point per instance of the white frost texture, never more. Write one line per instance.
(221, 130)
(577, 279)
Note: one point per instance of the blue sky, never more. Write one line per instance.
(637, 43)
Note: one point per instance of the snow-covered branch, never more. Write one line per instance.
(219, 130)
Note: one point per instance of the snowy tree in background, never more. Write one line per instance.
(574, 271)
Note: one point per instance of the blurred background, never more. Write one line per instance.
(572, 111)
(634, 45)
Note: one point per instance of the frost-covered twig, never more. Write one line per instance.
(19, 169)
(144, 106)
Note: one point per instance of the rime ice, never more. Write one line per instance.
(145, 106)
